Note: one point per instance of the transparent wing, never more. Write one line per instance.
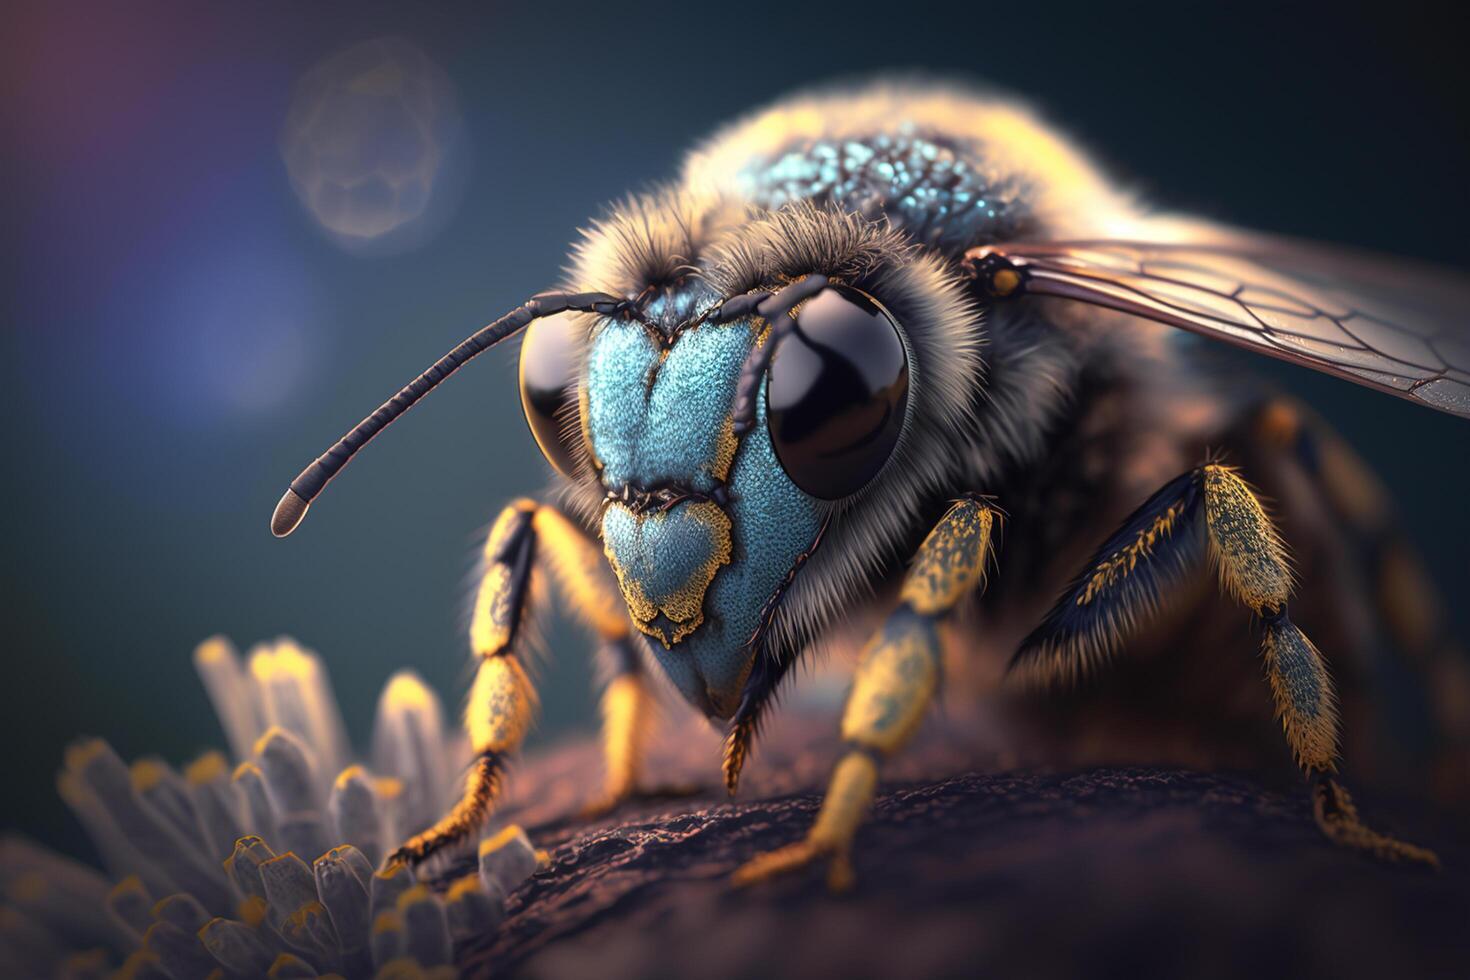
(1386, 323)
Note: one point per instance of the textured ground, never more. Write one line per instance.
(1107, 872)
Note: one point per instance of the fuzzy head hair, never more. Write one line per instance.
(943, 334)
(980, 401)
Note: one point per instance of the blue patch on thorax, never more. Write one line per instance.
(934, 187)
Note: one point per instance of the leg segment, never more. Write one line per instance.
(627, 705)
(502, 701)
(1210, 510)
(1253, 567)
(1415, 639)
(895, 683)
(526, 538)
(627, 717)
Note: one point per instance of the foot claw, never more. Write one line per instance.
(1338, 819)
(794, 857)
(764, 867)
(840, 876)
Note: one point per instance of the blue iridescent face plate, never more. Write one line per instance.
(697, 575)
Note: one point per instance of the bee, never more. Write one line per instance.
(866, 331)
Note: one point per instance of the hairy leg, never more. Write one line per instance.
(1211, 512)
(502, 701)
(894, 686)
(1407, 640)
(526, 538)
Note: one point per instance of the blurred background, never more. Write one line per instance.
(232, 230)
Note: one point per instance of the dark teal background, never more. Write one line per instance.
(142, 184)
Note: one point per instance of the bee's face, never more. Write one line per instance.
(703, 528)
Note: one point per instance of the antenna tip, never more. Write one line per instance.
(289, 513)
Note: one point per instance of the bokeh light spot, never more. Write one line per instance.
(372, 144)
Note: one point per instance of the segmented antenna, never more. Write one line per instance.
(304, 489)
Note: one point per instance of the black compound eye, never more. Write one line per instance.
(836, 393)
(549, 390)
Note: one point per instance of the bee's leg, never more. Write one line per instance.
(626, 709)
(1388, 577)
(1254, 568)
(524, 539)
(502, 701)
(895, 682)
(577, 564)
(1212, 508)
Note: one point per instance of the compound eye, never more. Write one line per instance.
(549, 390)
(836, 393)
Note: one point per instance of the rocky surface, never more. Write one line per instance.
(1103, 872)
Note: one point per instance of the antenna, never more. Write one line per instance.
(312, 480)
(776, 309)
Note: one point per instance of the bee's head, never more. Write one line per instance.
(735, 393)
(715, 434)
